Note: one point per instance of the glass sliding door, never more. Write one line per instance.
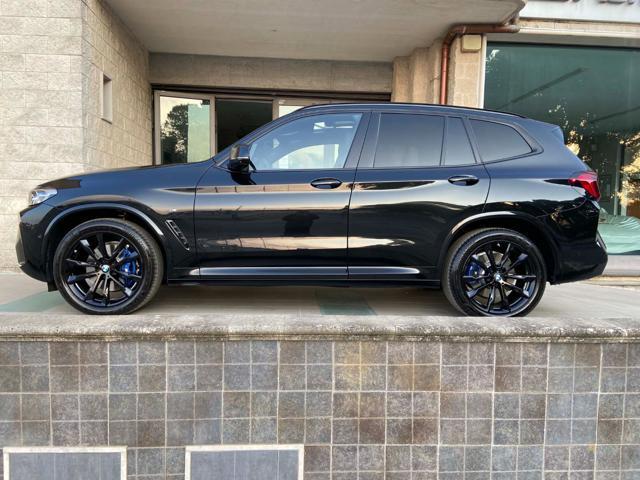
(284, 106)
(237, 117)
(184, 126)
(190, 127)
(593, 94)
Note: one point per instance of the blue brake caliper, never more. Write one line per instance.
(128, 267)
(473, 270)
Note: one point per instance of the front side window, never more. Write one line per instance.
(409, 140)
(315, 142)
(497, 141)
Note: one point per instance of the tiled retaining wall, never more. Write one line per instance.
(364, 410)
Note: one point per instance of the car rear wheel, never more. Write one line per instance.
(108, 266)
(494, 272)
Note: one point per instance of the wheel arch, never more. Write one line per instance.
(527, 225)
(76, 215)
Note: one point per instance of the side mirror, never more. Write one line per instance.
(240, 159)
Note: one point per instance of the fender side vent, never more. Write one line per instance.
(178, 233)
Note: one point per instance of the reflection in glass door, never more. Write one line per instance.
(184, 125)
(593, 94)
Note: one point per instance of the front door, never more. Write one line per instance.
(417, 179)
(288, 216)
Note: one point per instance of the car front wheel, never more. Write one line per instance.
(494, 272)
(108, 266)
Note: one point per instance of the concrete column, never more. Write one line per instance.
(418, 75)
(465, 72)
(400, 86)
(415, 78)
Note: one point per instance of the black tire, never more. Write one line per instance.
(105, 257)
(484, 265)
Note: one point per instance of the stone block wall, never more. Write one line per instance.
(52, 54)
(40, 102)
(110, 48)
(363, 409)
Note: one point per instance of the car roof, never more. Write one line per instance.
(412, 107)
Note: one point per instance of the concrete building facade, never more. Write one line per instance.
(94, 84)
(58, 57)
(89, 84)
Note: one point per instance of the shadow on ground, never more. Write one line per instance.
(19, 293)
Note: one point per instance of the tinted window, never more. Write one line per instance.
(497, 141)
(457, 147)
(409, 141)
(314, 142)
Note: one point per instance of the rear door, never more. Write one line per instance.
(417, 178)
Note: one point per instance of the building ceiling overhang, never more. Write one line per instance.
(355, 30)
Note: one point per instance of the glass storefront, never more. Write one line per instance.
(594, 95)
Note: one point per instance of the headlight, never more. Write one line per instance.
(39, 195)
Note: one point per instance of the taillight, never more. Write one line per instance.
(588, 181)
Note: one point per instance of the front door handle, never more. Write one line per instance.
(463, 180)
(326, 183)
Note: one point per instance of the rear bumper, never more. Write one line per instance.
(586, 262)
(582, 253)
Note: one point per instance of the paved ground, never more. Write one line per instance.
(19, 293)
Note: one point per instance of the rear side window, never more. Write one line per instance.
(497, 141)
(457, 149)
(406, 140)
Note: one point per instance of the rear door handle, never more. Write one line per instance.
(326, 183)
(463, 180)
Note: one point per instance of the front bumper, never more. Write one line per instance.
(25, 265)
(30, 250)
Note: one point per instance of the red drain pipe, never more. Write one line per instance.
(464, 29)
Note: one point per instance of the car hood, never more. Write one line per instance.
(125, 183)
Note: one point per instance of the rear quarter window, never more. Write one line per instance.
(497, 141)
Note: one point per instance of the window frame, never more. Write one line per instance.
(353, 155)
(213, 140)
(8, 451)
(212, 94)
(189, 449)
(370, 148)
(106, 97)
(535, 147)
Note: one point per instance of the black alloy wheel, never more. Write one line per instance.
(104, 269)
(108, 266)
(496, 272)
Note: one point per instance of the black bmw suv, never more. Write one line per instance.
(486, 205)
